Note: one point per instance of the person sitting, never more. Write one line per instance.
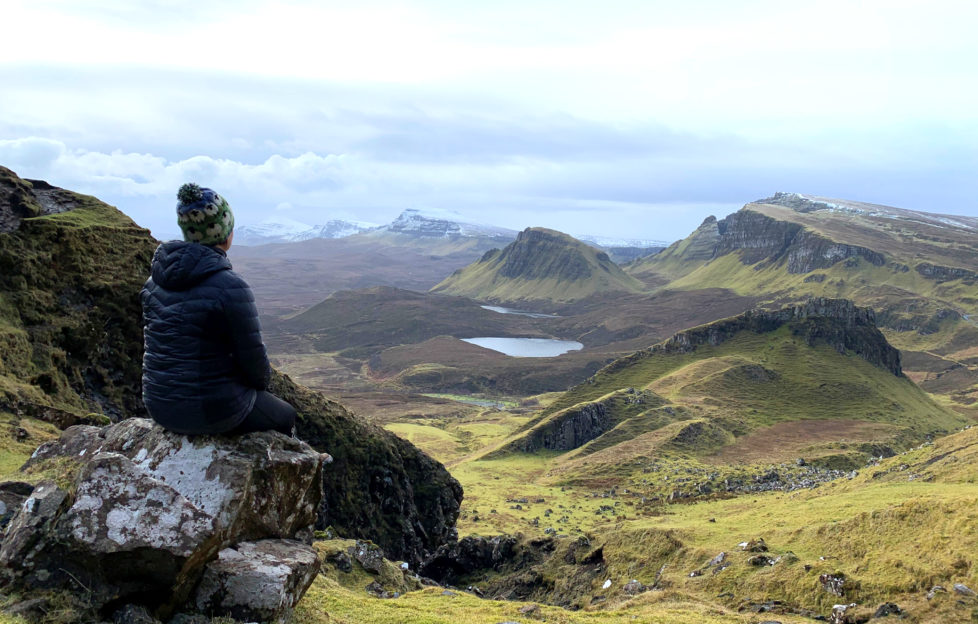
(205, 369)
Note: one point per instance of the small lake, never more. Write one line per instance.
(503, 310)
(527, 347)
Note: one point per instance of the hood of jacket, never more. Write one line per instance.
(179, 265)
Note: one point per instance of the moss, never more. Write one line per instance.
(70, 316)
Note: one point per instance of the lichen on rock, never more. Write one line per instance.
(148, 509)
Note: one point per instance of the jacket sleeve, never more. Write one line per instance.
(248, 350)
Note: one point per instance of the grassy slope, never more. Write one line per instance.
(867, 527)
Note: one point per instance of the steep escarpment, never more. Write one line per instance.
(71, 351)
(574, 427)
(756, 238)
(540, 264)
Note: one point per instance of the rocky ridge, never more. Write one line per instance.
(761, 238)
(836, 322)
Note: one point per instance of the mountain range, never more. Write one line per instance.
(768, 419)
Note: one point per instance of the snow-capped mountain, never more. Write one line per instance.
(606, 241)
(286, 230)
(441, 224)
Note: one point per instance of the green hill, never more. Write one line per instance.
(817, 380)
(540, 265)
(918, 271)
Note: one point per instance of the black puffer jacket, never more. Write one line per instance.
(204, 360)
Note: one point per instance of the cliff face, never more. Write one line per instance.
(71, 344)
(836, 322)
(569, 430)
(760, 237)
(540, 254)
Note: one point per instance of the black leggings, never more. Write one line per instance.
(270, 413)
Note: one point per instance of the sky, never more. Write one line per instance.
(632, 119)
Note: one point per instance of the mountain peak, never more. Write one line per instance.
(430, 223)
(541, 264)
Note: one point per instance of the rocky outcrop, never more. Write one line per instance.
(836, 322)
(759, 237)
(70, 281)
(944, 273)
(453, 562)
(134, 514)
(568, 429)
(702, 243)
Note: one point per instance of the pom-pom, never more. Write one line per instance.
(190, 193)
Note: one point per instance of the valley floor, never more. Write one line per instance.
(892, 530)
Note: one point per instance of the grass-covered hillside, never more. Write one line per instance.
(738, 479)
(918, 271)
(817, 382)
(70, 272)
(540, 265)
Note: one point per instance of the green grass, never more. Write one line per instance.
(18, 440)
(872, 528)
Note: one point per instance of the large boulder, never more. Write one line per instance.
(257, 581)
(136, 513)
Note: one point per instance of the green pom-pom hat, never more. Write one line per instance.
(204, 216)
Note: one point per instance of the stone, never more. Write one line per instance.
(838, 615)
(834, 584)
(257, 581)
(634, 587)
(133, 614)
(12, 496)
(377, 590)
(369, 555)
(963, 589)
(755, 545)
(934, 591)
(342, 560)
(760, 560)
(148, 508)
(30, 609)
(887, 609)
(720, 558)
